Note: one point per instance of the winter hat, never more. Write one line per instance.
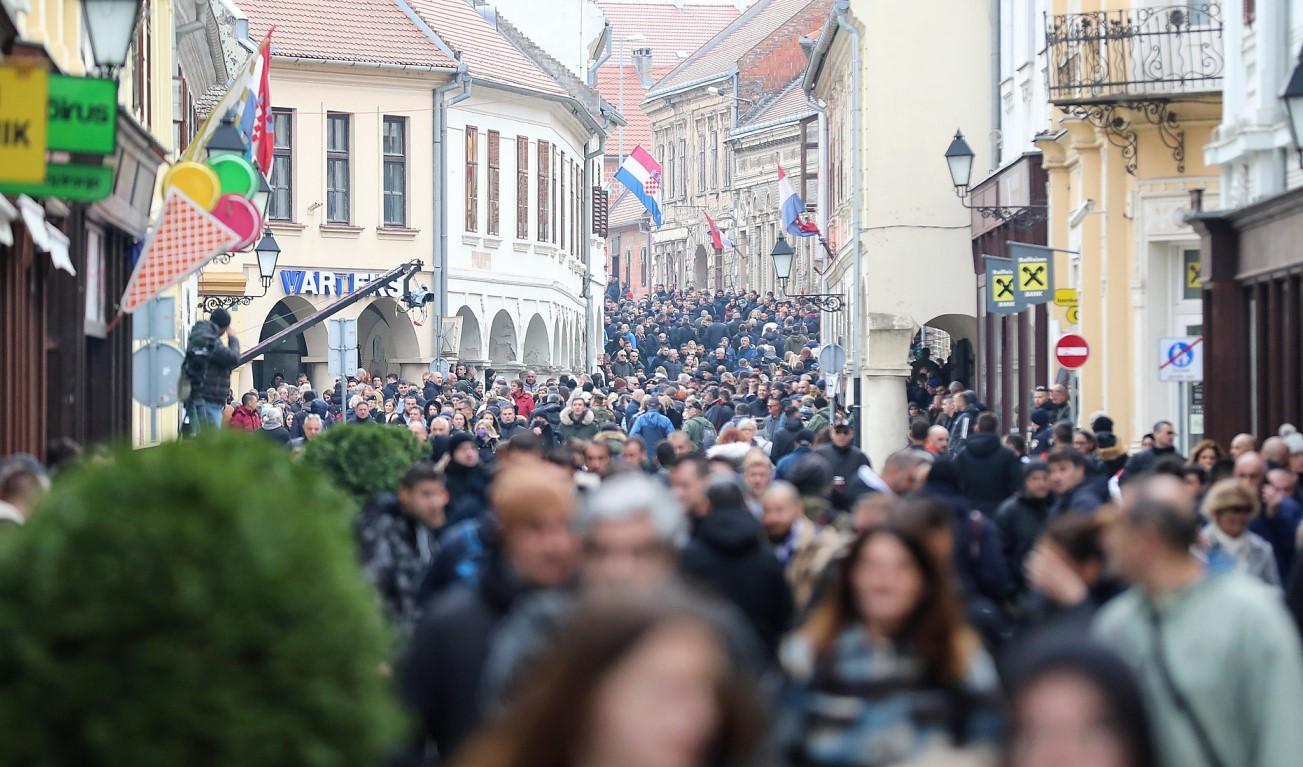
(457, 438)
(1295, 443)
(1101, 423)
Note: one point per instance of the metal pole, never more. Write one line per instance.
(398, 272)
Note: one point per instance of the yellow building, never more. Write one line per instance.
(1137, 92)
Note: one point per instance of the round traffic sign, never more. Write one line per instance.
(1072, 351)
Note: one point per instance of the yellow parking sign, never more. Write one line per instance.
(24, 98)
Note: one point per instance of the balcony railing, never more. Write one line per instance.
(1137, 54)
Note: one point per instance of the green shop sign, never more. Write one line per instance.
(75, 183)
(83, 115)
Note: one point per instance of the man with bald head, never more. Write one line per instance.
(938, 440)
(1279, 519)
(1275, 452)
(1243, 443)
(902, 473)
(802, 548)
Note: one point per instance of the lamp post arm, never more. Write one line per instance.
(402, 271)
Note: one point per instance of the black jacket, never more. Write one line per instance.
(713, 334)
(962, 429)
(1084, 498)
(785, 439)
(440, 677)
(844, 463)
(991, 472)
(1020, 521)
(727, 554)
(468, 491)
(1144, 460)
(209, 362)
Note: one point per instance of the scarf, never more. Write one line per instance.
(1236, 548)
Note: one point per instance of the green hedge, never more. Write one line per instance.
(365, 460)
(190, 605)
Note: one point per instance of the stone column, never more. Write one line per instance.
(883, 376)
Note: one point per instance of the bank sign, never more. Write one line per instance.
(301, 282)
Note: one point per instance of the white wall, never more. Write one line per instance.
(1024, 105)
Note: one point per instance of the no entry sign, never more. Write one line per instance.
(1072, 351)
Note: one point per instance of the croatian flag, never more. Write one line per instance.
(255, 109)
(790, 209)
(641, 175)
(717, 238)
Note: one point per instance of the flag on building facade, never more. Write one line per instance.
(255, 111)
(790, 209)
(641, 175)
(717, 238)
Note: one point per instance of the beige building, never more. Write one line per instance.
(896, 79)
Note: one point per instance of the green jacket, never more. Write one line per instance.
(585, 428)
(696, 428)
(1233, 653)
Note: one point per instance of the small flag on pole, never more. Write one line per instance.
(790, 209)
(717, 238)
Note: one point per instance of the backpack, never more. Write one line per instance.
(706, 438)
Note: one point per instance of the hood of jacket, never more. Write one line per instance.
(982, 445)
(730, 531)
(568, 418)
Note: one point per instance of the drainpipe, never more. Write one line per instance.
(590, 302)
(441, 202)
(997, 117)
(606, 54)
(856, 293)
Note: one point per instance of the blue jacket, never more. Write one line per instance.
(653, 427)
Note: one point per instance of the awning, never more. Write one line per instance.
(34, 219)
(8, 214)
(59, 250)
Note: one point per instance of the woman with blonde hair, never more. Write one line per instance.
(885, 670)
(1229, 507)
(1206, 453)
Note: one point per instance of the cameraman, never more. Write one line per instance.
(208, 365)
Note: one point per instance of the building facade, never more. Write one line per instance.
(901, 242)
(451, 140)
(694, 110)
(1250, 268)
(1123, 160)
(64, 264)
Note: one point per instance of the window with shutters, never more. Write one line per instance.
(491, 226)
(472, 178)
(671, 175)
(683, 168)
(552, 190)
(395, 171)
(280, 206)
(713, 148)
(338, 192)
(522, 188)
(544, 193)
(701, 158)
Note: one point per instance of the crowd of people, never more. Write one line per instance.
(681, 559)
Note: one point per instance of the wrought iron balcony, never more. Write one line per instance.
(1134, 54)
(1110, 67)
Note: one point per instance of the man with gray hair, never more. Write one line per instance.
(1240, 706)
(273, 426)
(631, 531)
(312, 426)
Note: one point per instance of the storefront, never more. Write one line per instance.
(1012, 349)
(1251, 273)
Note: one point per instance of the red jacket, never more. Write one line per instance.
(524, 403)
(246, 419)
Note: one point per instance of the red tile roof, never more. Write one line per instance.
(625, 210)
(487, 54)
(362, 31)
(668, 28)
(720, 55)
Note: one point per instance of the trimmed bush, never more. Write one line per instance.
(191, 605)
(364, 460)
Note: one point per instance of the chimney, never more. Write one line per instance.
(642, 64)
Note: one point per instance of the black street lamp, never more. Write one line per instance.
(110, 25)
(269, 252)
(262, 196)
(1293, 98)
(959, 160)
(226, 139)
(783, 255)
